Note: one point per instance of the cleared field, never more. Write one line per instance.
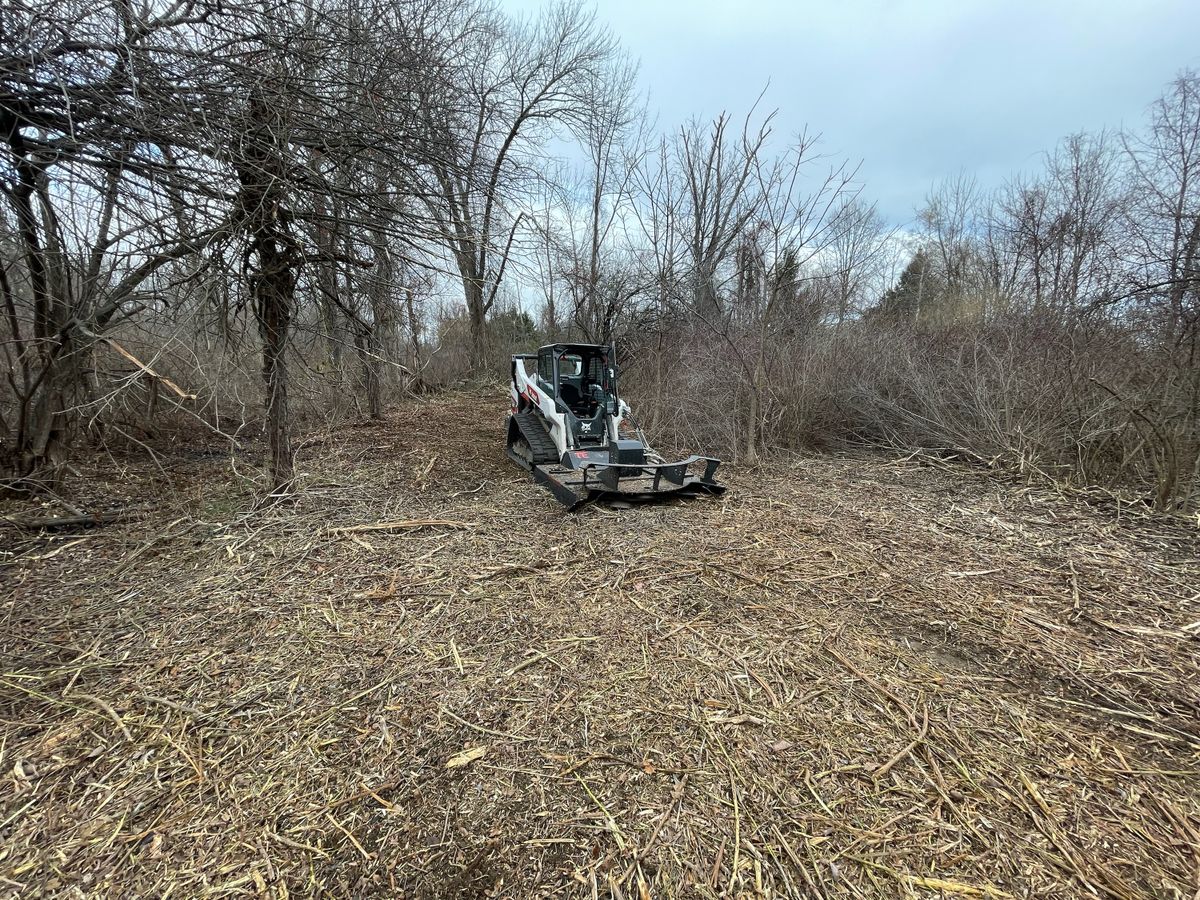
(847, 677)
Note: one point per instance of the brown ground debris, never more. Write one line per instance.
(849, 676)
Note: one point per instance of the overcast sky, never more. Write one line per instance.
(916, 89)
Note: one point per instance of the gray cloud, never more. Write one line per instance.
(917, 89)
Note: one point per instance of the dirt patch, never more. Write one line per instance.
(865, 676)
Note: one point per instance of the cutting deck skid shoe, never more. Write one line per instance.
(568, 427)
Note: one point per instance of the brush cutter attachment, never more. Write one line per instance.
(569, 429)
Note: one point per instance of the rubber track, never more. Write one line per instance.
(543, 446)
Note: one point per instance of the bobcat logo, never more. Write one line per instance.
(585, 426)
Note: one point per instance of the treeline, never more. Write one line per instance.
(1065, 310)
(239, 214)
(1050, 324)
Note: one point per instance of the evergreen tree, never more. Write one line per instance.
(912, 298)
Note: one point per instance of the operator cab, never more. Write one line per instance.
(582, 379)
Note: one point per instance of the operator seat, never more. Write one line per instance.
(569, 394)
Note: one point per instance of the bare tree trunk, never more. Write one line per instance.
(656, 412)
(374, 338)
(706, 296)
(752, 427)
(368, 357)
(40, 434)
(414, 330)
(477, 317)
(327, 279)
(262, 172)
(758, 384)
(273, 295)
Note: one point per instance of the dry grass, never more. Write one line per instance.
(848, 677)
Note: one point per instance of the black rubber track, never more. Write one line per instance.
(544, 449)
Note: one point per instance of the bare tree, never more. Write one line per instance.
(513, 86)
(92, 93)
(658, 211)
(718, 173)
(948, 222)
(1165, 217)
(857, 256)
(798, 222)
(1060, 230)
(602, 277)
(274, 253)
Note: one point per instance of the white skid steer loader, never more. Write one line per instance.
(569, 428)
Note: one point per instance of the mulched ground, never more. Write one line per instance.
(846, 677)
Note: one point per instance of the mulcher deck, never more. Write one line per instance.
(574, 486)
